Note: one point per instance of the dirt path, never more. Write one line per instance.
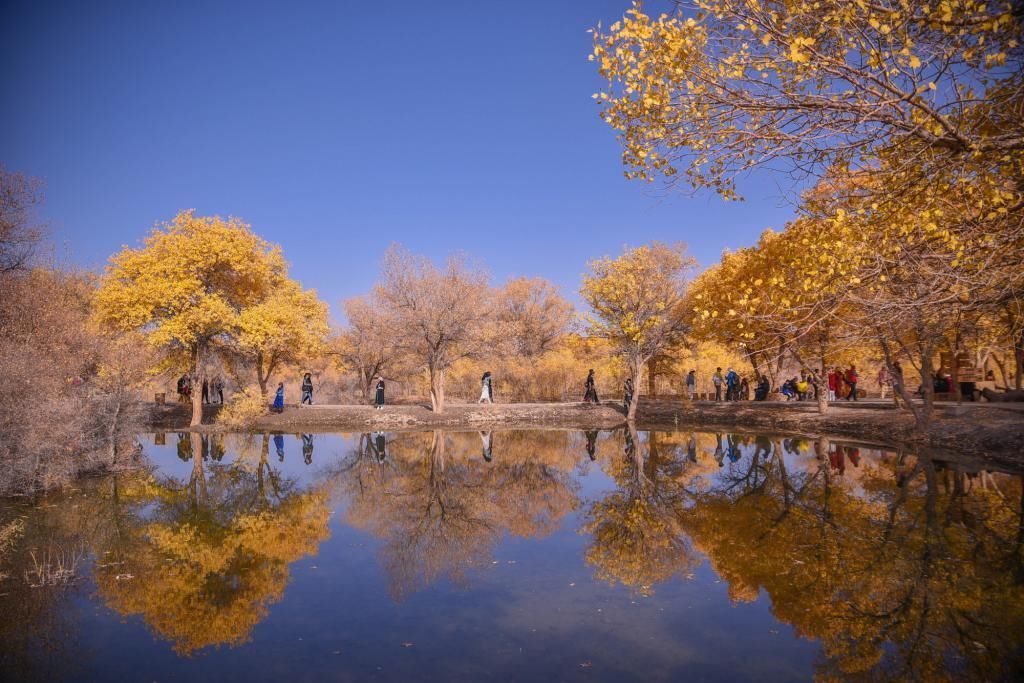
(994, 431)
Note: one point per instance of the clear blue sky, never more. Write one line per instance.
(336, 128)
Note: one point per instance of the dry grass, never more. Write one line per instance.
(54, 567)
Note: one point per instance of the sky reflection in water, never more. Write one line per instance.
(521, 555)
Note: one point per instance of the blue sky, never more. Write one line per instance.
(336, 128)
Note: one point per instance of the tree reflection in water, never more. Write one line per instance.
(441, 507)
(899, 566)
(200, 560)
(904, 567)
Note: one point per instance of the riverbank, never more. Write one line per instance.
(994, 430)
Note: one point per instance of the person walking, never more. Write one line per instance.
(379, 399)
(590, 386)
(691, 384)
(833, 379)
(851, 380)
(279, 398)
(206, 391)
(486, 395)
(718, 381)
(884, 381)
(218, 388)
(627, 394)
(307, 389)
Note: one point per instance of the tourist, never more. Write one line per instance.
(884, 381)
(763, 387)
(379, 399)
(732, 382)
(218, 388)
(718, 380)
(745, 389)
(307, 389)
(486, 395)
(279, 398)
(184, 388)
(691, 384)
(206, 391)
(833, 379)
(789, 388)
(802, 386)
(627, 394)
(815, 382)
(851, 380)
(590, 386)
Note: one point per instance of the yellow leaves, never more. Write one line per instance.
(796, 49)
(914, 62)
(194, 279)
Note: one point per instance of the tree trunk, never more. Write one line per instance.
(822, 389)
(436, 389)
(1018, 355)
(924, 417)
(260, 377)
(198, 375)
(637, 369)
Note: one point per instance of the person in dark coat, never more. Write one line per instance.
(379, 400)
(307, 389)
(206, 391)
(627, 394)
(590, 395)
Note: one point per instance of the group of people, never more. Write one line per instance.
(184, 389)
(736, 388)
(307, 393)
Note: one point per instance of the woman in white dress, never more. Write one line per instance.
(486, 396)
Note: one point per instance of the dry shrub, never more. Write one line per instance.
(60, 416)
(243, 409)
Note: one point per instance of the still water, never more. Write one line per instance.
(517, 556)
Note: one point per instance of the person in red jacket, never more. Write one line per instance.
(851, 381)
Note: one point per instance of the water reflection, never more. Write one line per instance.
(440, 508)
(897, 566)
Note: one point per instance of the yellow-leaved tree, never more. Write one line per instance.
(638, 304)
(289, 326)
(185, 289)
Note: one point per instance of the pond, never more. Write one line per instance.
(517, 555)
